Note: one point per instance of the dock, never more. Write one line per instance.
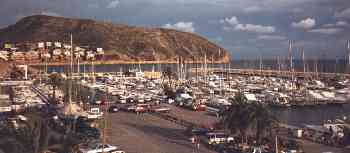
(268, 73)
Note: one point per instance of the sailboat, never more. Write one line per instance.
(71, 109)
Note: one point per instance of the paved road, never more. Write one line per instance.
(310, 147)
(148, 134)
(197, 117)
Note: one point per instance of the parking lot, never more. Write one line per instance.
(147, 133)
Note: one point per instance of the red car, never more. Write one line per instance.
(199, 107)
(141, 108)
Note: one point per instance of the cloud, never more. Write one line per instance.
(342, 23)
(338, 24)
(271, 37)
(307, 23)
(232, 21)
(252, 9)
(48, 13)
(182, 26)
(254, 28)
(328, 31)
(113, 4)
(297, 10)
(343, 14)
(328, 25)
(233, 24)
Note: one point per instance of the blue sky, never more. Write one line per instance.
(247, 28)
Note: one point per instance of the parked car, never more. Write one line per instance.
(141, 108)
(113, 109)
(214, 138)
(97, 148)
(117, 151)
(161, 109)
(87, 131)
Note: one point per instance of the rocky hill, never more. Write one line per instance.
(121, 42)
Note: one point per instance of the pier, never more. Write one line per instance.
(268, 73)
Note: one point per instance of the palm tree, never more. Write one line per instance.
(237, 117)
(169, 74)
(55, 81)
(242, 117)
(261, 120)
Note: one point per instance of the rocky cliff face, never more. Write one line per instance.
(121, 42)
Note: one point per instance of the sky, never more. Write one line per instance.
(248, 29)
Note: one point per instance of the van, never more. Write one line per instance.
(213, 138)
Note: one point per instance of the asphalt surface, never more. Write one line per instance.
(147, 133)
(200, 118)
(310, 147)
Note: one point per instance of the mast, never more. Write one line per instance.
(78, 67)
(290, 55)
(105, 120)
(205, 67)
(348, 52)
(260, 64)
(222, 73)
(279, 64)
(303, 58)
(71, 69)
(276, 145)
(93, 70)
(178, 67)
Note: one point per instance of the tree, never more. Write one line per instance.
(236, 118)
(261, 120)
(242, 117)
(16, 73)
(55, 81)
(169, 74)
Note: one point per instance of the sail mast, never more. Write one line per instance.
(303, 58)
(71, 69)
(348, 51)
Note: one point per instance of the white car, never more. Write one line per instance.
(213, 138)
(97, 148)
(117, 151)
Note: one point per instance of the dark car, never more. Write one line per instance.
(113, 109)
(87, 131)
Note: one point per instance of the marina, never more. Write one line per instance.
(116, 76)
